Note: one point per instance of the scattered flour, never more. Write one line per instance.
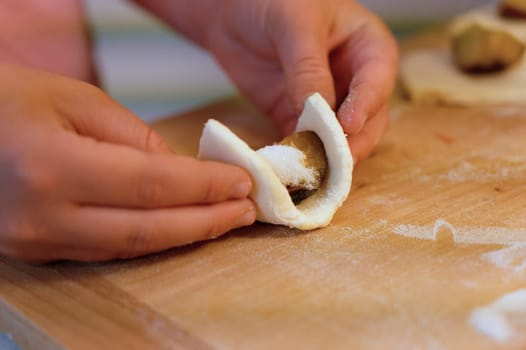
(511, 258)
(388, 201)
(424, 232)
(397, 111)
(493, 320)
(465, 234)
(484, 165)
(470, 284)
(466, 171)
(507, 112)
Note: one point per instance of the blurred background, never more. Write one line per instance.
(155, 72)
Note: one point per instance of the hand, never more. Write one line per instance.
(280, 51)
(82, 178)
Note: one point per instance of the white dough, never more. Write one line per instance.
(272, 199)
(430, 75)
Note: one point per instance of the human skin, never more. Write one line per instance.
(278, 52)
(82, 178)
(46, 35)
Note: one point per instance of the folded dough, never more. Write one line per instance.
(272, 199)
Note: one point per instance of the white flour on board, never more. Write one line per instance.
(464, 234)
(387, 201)
(507, 112)
(510, 258)
(465, 171)
(494, 319)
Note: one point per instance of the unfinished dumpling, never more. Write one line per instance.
(484, 41)
(431, 75)
(278, 168)
(477, 49)
(490, 18)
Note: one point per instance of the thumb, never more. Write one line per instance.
(304, 56)
(97, 115)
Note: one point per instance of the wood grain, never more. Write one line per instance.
(355, 284)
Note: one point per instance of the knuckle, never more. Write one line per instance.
(138, 242)
(212, 191)
(149, 190)
(310, 66)
(34, 177)
(215, 229)
(19, 240)
(18, 231)
(153, 141)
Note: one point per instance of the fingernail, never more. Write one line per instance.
(247, 218)
(349, 99)
(348, 104)
(346, 113)
(241, 190)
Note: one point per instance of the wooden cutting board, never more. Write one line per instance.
(374, 279)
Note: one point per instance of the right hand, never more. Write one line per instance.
(82, 178)
(278, 52)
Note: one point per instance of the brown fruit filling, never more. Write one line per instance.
(481, 50)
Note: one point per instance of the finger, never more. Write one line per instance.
(39, 242)
(99, 173)
(95, 114)
(304, 55)
(363, 143)
(106, 233)
(374, 59)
